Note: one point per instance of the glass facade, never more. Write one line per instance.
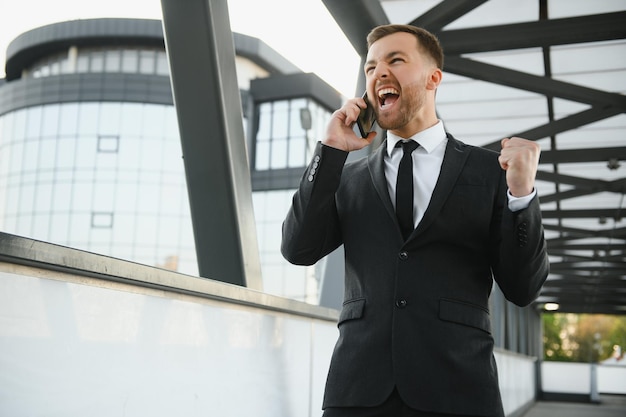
(109, 178)
(102, 177)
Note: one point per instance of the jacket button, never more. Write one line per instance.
(403, 255)
(401, 303)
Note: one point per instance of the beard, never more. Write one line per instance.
(410, 102)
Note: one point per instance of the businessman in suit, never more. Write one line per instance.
(414, 330)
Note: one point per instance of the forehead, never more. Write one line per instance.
(399, 42)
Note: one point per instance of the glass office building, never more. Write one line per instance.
(90, 154)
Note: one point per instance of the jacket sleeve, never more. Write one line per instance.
(311, 228)
(520, 261)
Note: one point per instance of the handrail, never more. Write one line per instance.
(31, 252)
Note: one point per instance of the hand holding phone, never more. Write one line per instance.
(366, 118)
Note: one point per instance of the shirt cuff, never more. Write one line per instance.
(520, 203)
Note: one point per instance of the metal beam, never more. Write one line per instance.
(533, 83)
(612, 282)
(542, 33)
(565, 124)
(578, 192)
(356, 18)
(567, 248)
(564, 195)
(576, 265)
(584, 186)
(590, 184)
(201, 53)
(567, 156)
(583, 214)
(582, 233)
(608, 234)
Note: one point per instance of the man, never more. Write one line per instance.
(414, 331)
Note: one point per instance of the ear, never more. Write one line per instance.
(434, 79)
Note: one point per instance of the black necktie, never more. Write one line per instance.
(404, 188)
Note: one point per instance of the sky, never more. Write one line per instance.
(302, 31)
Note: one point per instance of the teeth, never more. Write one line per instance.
(384, 91)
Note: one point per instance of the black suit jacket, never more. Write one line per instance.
(416, 313)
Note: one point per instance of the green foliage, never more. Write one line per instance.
(552, 340)
(582, 338)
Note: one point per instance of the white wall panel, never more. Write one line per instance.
(566, 377)
(73, 346)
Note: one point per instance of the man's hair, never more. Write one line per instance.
(426, 40)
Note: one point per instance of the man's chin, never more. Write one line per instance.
(386, 124)
(382, 121)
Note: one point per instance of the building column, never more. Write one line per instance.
(201, 53)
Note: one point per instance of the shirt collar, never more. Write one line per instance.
(428, 139)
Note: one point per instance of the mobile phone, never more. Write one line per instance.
(366, 118)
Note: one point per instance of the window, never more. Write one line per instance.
(97, 61)
(101, 220)
(130, 60)
(107, 59)
(108, 144)
(146, 62)
(286, 134)
(112, 61)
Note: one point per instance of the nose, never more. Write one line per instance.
(381, 71)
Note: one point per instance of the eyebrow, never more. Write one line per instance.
(387, 57)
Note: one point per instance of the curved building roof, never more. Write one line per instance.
(37, 43)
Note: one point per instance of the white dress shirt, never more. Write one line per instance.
(427, 160)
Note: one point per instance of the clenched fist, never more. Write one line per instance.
(519, 158)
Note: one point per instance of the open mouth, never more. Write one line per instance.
(387, 97)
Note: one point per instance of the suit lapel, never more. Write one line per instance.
(376, 164)
(453, 162)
